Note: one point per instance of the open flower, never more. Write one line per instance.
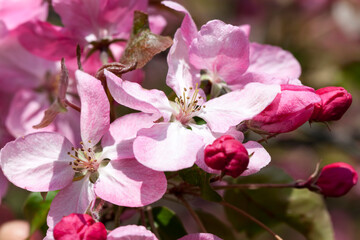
(47, 161)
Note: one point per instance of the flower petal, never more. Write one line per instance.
(38, 162)
(230, 109)
(258, 160)
(95, 108)
(126, 182)
(200, 236)
(75, 198)
(131, 232)
(167, 147)
(117, 142)
(132, 95)
(222, 49)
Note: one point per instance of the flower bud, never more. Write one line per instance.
(335, 101)
(290, 109)
(335, 179)
(228, 155)
(79, 226)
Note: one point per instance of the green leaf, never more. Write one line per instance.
(215, 226)
(168, 224)
(143, 44)
(300, 209)
(36, 209)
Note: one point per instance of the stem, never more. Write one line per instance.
(73, 106)
(142, 217)
(260, 185)
(193, 214)
(151, 221)
(245, 214)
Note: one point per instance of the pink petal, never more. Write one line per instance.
(258, 160)
(131, 232)
(48, 41)
(4, 183)
(38, 162)
(157, 23)
(75, 198)
(188, 26)
(97, 19)
(23, 68)
(15, 12)
(222, 49)
(95, 108)
(167, 147)
(230, 109)
(270, 65)
(132, 95)
(137, 76)
(117, 142)
(26, 110)
(126, 182)
(3, 29)
(200, 236)
(181, 73)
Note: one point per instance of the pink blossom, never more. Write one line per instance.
(335, 101)
(131, 232)
(95, 24)
(200, 236)
(79, 227)
(53, 163)
(155, 146)
(290, 109)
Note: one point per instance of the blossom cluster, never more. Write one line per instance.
(61, 86)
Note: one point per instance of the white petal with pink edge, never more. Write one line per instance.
(131, 232)
(167, 147)
(38, 162)
(258, 160)
(95, 108)
(230, 109)
(126, 182)
(132, 95)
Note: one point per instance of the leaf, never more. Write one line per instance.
(143, 44)
(215, 226)
(168, 224)
(197, 177)
(301, 209)
(36, 209)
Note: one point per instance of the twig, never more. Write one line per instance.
(151, 221)
(142, 217)
(245, 214)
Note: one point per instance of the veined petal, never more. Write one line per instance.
(181, 73)
(132, 95)
(126, 182)
(38, 162)
(95, 108)
(222, 49)
(230, 109)
(188, 26)
(75, 198)
(258, 160)
(131, 232)
(167, 147)
(117, 142)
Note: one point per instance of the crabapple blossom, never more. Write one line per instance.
(110, 171)
(290, 109)
(335, 101)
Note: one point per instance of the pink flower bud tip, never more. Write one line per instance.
(335, 101)
(228, 155)
(336, 179)
(80, 227)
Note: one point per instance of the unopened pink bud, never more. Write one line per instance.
(336, 179)
(228, 155)
(290, 109)
(335, 101)
(79, 226)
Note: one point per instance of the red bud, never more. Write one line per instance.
(228, 155)
(335, 101)
(80, 227)
(336, 179)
